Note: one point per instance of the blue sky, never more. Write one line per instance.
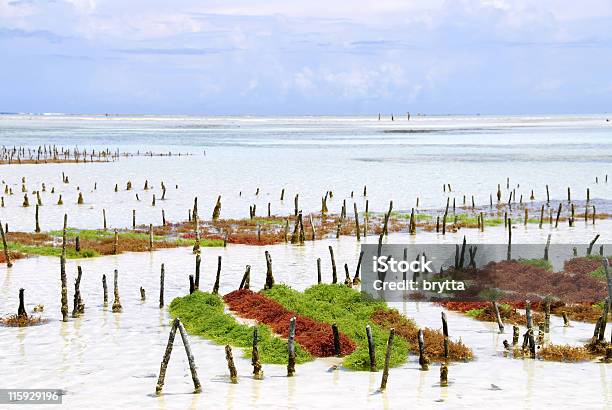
(306, 57)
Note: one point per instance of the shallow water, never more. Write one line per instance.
(305, 155)
(103, 359)
(114, 358)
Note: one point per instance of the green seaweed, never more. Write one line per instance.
(52, 251)
(538, 263)
(351, 311)
(203, 314)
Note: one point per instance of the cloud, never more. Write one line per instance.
(174, 51)
(41, 34)
(305, 56)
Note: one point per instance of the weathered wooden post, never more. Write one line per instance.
(318, 271)
(347, 276)
(606, 265)
(230, 364)
(385, 376)
(445, 333)
(500, 324)
(269, 275)
(218, 277)
(333, 262)
(515, 335)
(566, 321)
(105, 290)
(21, 312)
(116, 302)
(356, 221)
(150, 237)
(558, 215)
(78, 305)
(104, 218)
(371, 348)
(423, 359)
(530, 336)
(116, 242)
(258, 373)
(217, 210)
(509, 254)
(198, 261)
(176, 324)
(291, 348)
(7, 255)
(336, 334)
(356, 278)
(191, 284)
(246, 278)
(64, 299)
(161, 286)
(37, 229)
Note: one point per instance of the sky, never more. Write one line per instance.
(256, 57)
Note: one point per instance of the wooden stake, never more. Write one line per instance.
(196, 283)
(37, 229)
(509, 255)
(347, 277)
(78, 305)
(115, 242)
(291, 348)
(257, 371)
(176, 324)
(246, 278)
(423, 359)
(356, 278)
(21, 312)
(64, 299)
(150, 237)
(217, 210)
(445, 333)
(558, 215)
(269, 275)
(218, 277)
(105, 290)
(336, 340)
(566, 321)
(161, 286)
(385, 376)
(515, 335)
(371, 348)
(166, 358)
(356, 221)
(116, 303)
(500, 324)
(230, 364)
(7, 256)
(318, 271)
(333, 262)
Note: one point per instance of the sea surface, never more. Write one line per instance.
(234, 156)
(106, 360)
